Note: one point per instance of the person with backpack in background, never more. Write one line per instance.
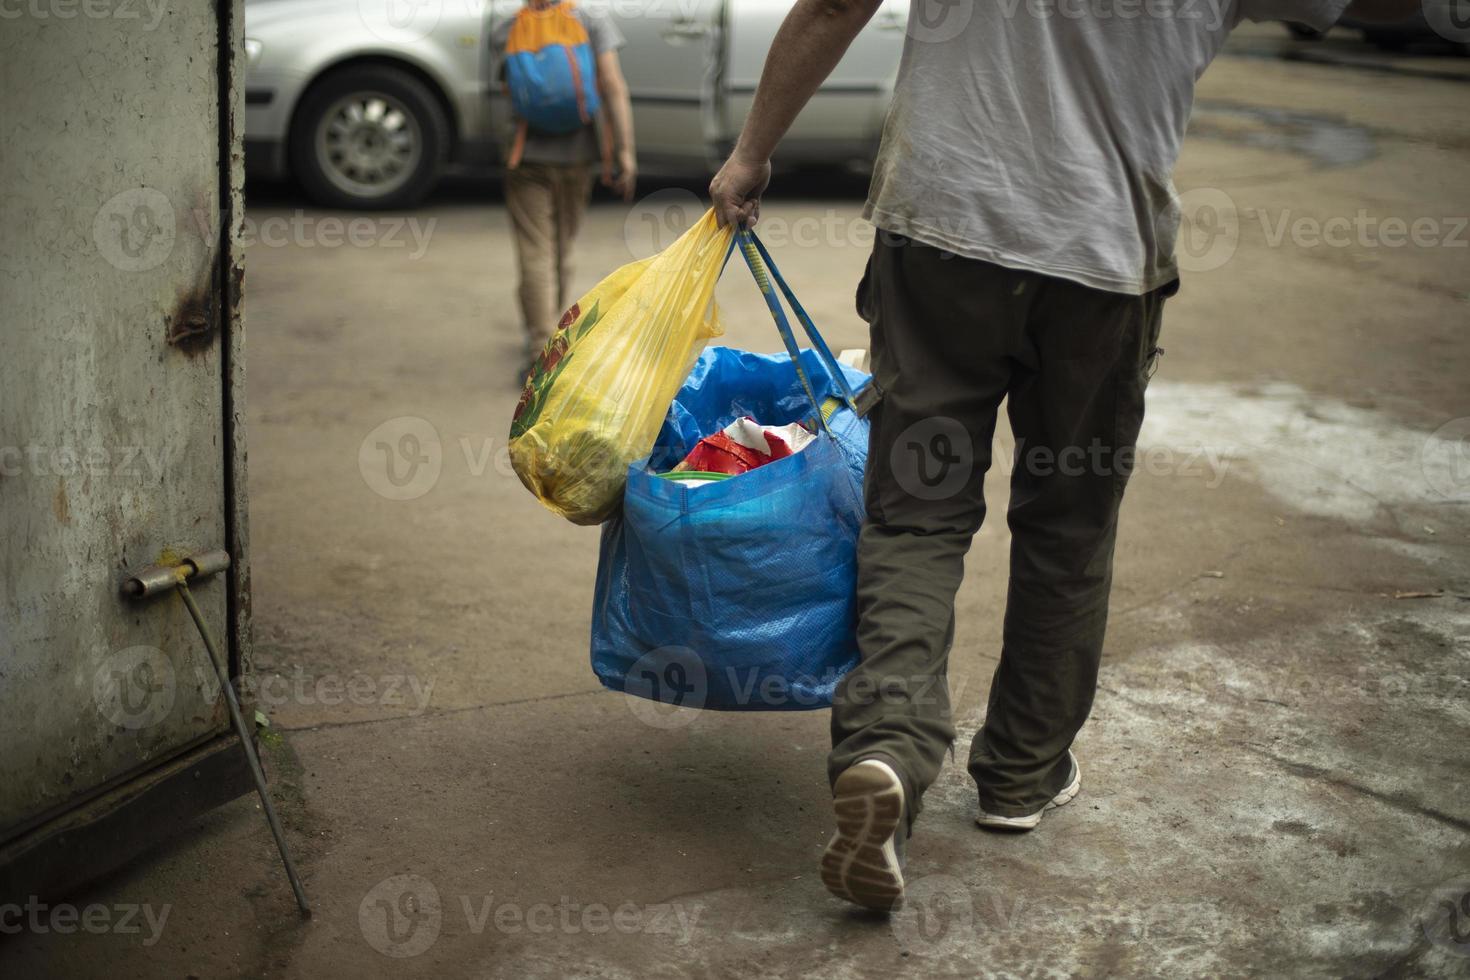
(1026, 221)
(571, 111)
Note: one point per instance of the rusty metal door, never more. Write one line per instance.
(120, 375)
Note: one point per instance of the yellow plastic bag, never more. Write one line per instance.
(596, 398)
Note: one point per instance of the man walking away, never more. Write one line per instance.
(1026, 222)
(560, 65)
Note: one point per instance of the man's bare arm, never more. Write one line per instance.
(617, 115)
(812, 39)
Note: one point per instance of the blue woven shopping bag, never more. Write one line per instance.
(739, 595)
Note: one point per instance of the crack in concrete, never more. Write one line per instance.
(435, 714)
(1399, 801)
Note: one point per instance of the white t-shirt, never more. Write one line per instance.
(1042, 134)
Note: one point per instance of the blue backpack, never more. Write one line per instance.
(550, 72)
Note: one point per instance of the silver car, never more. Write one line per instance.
(368, 102)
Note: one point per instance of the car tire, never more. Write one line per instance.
(371, 138)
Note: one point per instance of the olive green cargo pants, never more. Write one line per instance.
(951, 338)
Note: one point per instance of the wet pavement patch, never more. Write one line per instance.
(1325, 140)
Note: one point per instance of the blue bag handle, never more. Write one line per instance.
(823, 351)
(759, 260)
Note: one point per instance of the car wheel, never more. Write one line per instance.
(372, 137)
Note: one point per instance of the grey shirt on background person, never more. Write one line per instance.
(560, 148)
(1016, 142)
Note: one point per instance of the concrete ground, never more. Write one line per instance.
(1274, 778)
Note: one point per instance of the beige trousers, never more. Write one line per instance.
(546, 202)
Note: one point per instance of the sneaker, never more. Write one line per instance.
(863, 862)
(993, 822)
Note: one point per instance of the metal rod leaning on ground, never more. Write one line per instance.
(154, 580)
